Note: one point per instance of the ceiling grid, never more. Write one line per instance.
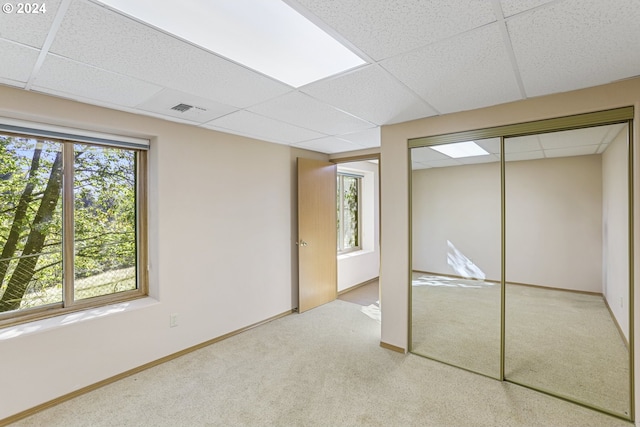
(423, 58)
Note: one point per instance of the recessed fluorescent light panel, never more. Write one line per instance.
(460, 149)
(267, 36)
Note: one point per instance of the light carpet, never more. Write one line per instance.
(563, 342)
(320, 368)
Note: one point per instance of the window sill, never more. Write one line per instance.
(62, 320)
(353, 254)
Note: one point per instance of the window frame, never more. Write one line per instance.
(68, 303)
(340, 208)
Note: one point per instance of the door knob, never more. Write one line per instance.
(303, 243)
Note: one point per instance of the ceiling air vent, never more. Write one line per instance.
(182, 107)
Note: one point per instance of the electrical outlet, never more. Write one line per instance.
(173, 320)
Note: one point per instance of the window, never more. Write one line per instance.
(348, 210)
(71, 225)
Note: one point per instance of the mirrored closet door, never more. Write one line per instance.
(567, 264)
(456, 254)
(521, 255)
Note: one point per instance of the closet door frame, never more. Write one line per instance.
(572, 122)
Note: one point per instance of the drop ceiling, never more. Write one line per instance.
(569, 143)
(423, 58)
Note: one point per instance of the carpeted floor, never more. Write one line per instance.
(457, 321)
(363, 295)
(558, 341)
(320, 368)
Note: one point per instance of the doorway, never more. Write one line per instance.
(350, 205)
(357, 207)
(358, 251)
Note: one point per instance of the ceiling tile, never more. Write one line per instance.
(389, 103)
(10, 82)
(575, 44)
(492, 145)
(383, 28)
(614, 130)
(103, 38)
(203, 109)
(521, 144)
(366, 138)
(19, 68)
(572, 151)
(426, 154)
(574, 138)
(59, 75)
(304, 111)
(512, 7)
(28, 28)
(256, 126)
(466, 72)
(328, 145)
(479, 159)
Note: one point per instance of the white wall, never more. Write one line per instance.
(222, 254)
(394, 237)
(553, 217)
(615, 230)
(461, 205)
(358, 267)
(554, 222)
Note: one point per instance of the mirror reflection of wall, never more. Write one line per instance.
(567, 265)
(456, 256)
(562, 208)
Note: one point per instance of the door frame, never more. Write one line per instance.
(362, 158)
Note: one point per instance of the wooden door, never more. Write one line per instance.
(317, 238)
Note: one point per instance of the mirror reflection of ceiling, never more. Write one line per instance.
(579, 142)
